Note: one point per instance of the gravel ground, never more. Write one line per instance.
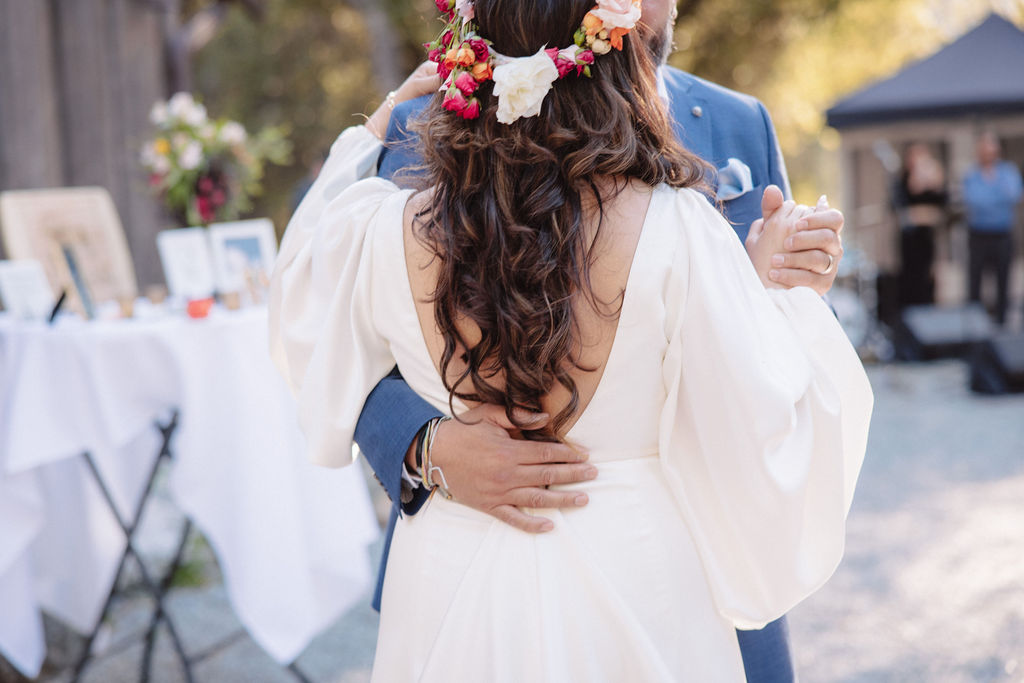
(932, 585)
(931, 589)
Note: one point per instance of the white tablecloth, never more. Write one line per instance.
(291, 538)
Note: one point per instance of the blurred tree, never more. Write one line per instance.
(314, 64)
(735, 42)
(800, 56)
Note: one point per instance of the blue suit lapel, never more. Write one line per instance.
(691, 116)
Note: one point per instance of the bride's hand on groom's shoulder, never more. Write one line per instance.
(794, 245)
(488, 470)
(423, 81)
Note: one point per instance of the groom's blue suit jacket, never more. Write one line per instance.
(714, 123)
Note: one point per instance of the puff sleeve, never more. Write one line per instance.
(322, 333)
(765, 426)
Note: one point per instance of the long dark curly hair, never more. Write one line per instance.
(506, 216)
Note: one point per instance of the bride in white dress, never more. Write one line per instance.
(728, 420)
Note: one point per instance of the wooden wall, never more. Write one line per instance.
(77, 80)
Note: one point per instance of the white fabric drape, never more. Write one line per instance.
(292, 540)
(323, 338)
(765, 425)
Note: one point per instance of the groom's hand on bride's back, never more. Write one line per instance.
(488, 470)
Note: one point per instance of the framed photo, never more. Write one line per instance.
(24, 289)
(188, 265)
(243, 256)
(76, 234)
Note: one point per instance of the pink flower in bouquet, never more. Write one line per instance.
(205, 209)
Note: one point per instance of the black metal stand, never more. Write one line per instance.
(157, 590)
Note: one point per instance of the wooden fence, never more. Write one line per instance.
(77, 80)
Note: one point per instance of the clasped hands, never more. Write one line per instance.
(793, 245)
(491, 471)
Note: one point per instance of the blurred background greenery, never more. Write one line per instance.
(316, 65)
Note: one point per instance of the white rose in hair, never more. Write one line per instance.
(617, 13)
(521, 84)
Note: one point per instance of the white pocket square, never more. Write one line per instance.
(734, 180)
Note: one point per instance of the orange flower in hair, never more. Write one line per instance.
(615, 37)
(482, 71)
(592, 24)
(466, 56)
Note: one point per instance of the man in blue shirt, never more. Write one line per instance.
(484, 466)
(992, 190)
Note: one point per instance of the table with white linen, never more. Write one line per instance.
(291, 539)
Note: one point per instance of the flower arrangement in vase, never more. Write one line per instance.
(207, 170)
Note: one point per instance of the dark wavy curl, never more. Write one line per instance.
(506, 217)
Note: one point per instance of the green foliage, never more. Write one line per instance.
(313, 65)
(307, 64)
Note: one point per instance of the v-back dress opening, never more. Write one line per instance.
(728, 429)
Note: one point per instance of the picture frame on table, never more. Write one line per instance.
(243, 256)
(24, 290)
(188, 263)
(77, 236)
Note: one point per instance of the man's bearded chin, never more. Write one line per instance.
(660, 42)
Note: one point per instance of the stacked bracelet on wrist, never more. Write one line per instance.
(425, 467)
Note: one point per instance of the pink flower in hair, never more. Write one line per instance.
(472, 109)
(617, 13)
(564, 64)
(466, 84)
(454, 101)
(584, 58)
(480, 49)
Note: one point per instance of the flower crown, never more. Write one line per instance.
(465, 60)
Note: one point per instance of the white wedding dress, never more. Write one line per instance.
(728, 429)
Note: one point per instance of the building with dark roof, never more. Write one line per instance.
(973, 84)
